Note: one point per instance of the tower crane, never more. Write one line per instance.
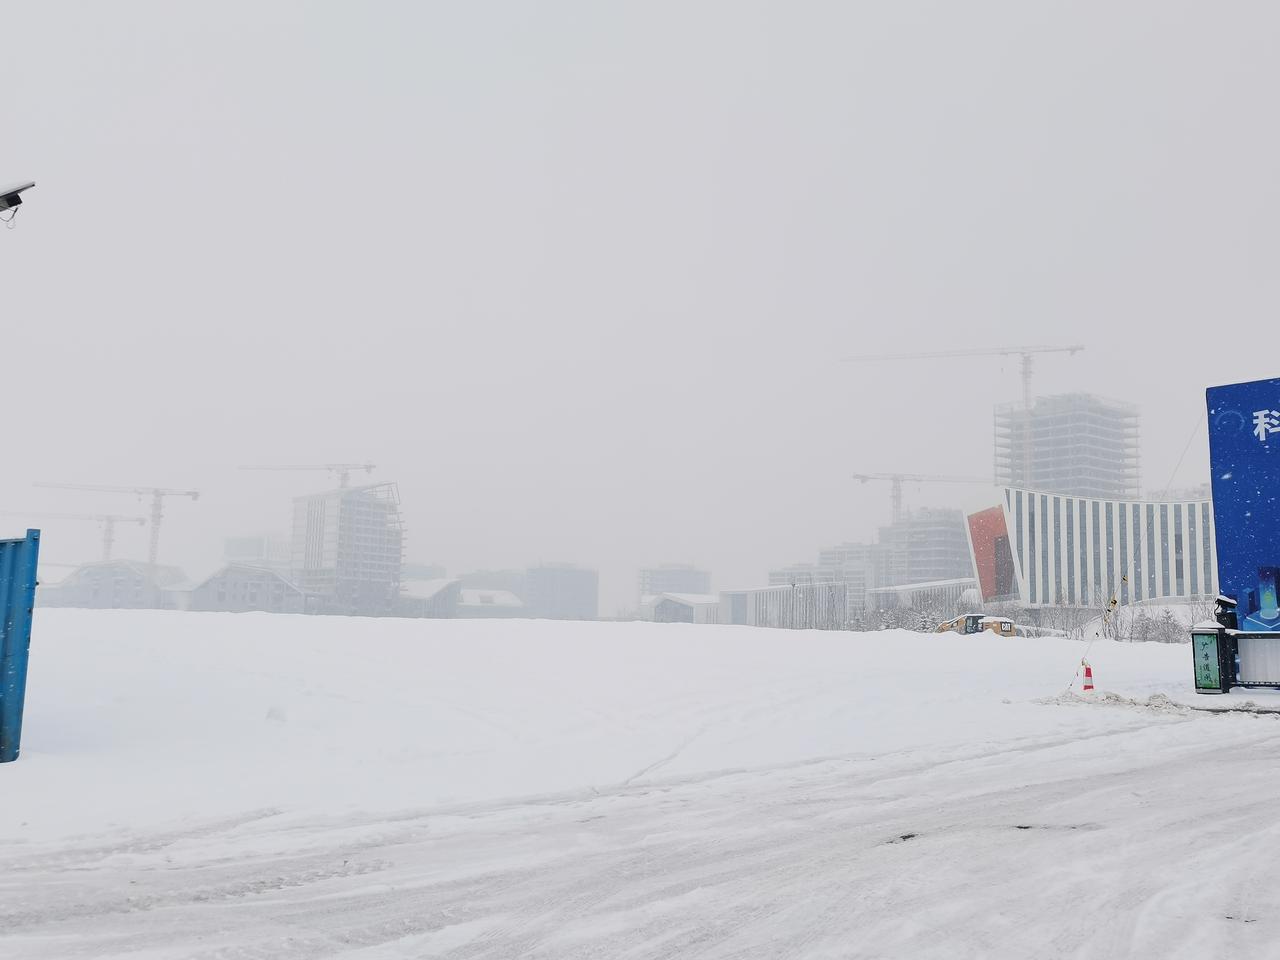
(897, 479)
(1024, 354)
(108, 521)
(156, 494)
(341, 470)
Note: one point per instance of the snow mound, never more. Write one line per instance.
(1156, 702)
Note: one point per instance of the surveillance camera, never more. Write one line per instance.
(10, 196)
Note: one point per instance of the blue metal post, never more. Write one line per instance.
(17, 597)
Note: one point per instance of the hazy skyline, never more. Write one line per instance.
(579, 276)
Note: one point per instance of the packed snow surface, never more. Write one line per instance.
(254, 786)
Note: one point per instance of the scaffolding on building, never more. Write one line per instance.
(1076, 444)
(348, 549)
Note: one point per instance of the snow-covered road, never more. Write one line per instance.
(1156, 841)
(984, 826)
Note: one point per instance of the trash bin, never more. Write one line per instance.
(1213, 657)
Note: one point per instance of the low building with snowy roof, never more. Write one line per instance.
(475, 604)
(909, 596)
(800, 606)
(686, 608)
(242, 587)
(436, 598)
(118, 584)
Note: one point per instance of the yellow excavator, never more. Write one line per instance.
(979, 623)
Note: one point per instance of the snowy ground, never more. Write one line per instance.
(205, 785)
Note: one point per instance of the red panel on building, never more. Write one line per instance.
(991, 554)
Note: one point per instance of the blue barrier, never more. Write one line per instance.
(17, 597)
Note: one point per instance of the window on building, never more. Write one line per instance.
(1206, 550)
(1109, 534)
(1124, 551)
(1135, 544)
(1193, 565)
(1152, 584)
(1179, 571)
(1058, 580)
(1032, 567)
(1045, 545)
(1164, 549)
(1071, 552)
(1095, 584)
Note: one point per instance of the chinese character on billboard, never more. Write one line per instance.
(1244, 459)
(1204, 648)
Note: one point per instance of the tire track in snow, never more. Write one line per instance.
(662, 762)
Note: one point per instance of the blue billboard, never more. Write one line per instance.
(1244, 460)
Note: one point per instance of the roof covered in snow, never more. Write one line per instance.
(425, 589)
(690, 599)
(490, 598)
(163, 576)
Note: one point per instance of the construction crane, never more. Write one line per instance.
(108, 521)
(157, 495)
(341, 470)
(897, 479)
(1024, 354)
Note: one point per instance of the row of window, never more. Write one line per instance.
(1081, 551)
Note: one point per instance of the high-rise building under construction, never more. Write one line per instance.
(924, 546)
(347, 549)
(1076, 444)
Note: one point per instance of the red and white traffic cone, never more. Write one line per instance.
(1088, 676)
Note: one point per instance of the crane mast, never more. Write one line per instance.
(108, 521)
(156, 495)
(897, 479)
(341, 470)
(1026, 358)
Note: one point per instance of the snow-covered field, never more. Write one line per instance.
(222, 786)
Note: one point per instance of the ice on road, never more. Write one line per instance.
(241, 787)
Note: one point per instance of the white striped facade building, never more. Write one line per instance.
(802, 606)
(1079, 551)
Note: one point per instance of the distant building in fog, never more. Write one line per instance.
(686, 608)
(848, 563)
(490, 604)
(239, 588)
(812, 606)
(118, 584)
(1199, 491)
(437, 598)
(938, 594)
(272, 551)
(512, 581)
(1076, 444)
(423, 571)
(561, 591)
(348, 545)
(673, 578)
(923, 546)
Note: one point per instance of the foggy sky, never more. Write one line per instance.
(578, 276)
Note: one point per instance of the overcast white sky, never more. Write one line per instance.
(578, 275)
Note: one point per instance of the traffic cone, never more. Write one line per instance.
(1088, 676)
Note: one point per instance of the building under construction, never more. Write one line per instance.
(348, 548)
(1076, 444)
(922, 546)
